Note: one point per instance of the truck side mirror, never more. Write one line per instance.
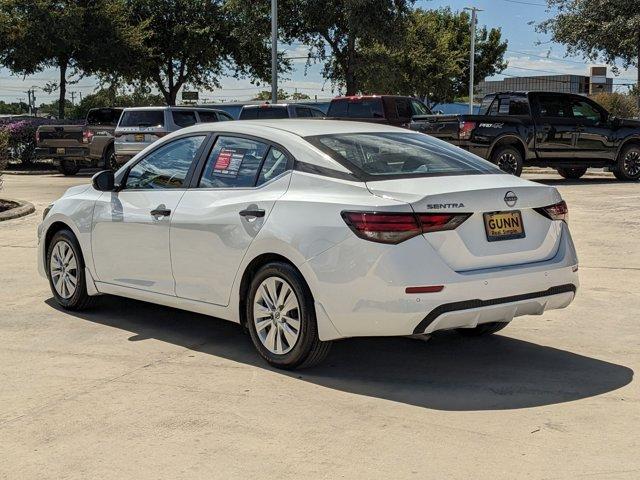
(615, 121)
(103, 181)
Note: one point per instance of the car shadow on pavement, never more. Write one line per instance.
(448, 372)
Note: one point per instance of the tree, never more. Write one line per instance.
(112, 97)
(430, 57)
(76, 37)
(192, 42)
(299, 96)
(266, 95)
(336, 28)
(618, 104)
(597, 29)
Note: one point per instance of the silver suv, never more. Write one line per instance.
(139, 127)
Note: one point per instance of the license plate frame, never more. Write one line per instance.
(138, 137)
(61, 151)
(510, 232)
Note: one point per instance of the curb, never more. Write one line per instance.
(23, 209)
(28, 172)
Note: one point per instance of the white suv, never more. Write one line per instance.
(139, 127)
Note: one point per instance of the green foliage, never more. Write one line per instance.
(597, 29)
(191, 42)
(110, 97)
(335, 29)
(266, 95)
(14, 108)
(76, 37)
(619, 104)
(299, 96)
(429, 58)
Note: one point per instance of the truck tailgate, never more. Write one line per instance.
(444, 127)
(60, 135)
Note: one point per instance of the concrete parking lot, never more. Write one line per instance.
(131, 390)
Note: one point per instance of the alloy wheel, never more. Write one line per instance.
(631, 163)
(63, 268)
(507, 162)
(276, 315)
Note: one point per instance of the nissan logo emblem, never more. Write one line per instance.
(510, 199)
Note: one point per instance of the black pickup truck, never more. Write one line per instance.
(564, 131)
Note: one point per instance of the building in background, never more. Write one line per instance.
(596, 82)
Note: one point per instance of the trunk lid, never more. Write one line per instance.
(467, 247)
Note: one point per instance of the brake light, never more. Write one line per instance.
(393, 228)
(466, 129)
(87, 135)
(557, 211)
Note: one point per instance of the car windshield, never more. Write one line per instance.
(392, 155)
(142, 118)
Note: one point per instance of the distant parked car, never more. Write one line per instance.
(139, 127)
(395, 110)
(270, 111)
(74, 146)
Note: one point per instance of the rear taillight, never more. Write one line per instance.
(393, 228)
(557, 211)
(466, 129)
(87, 135)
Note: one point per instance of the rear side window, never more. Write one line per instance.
(207, 116)
(403, 108)
(233, 162)
(165, 167)
(357, 108)
(142, 118)
(224, 117)
(303, 112)
(264, 113)
(184, 118)
(104, 116)
(315, 113)
(275, 164)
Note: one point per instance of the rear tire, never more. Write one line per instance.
(627, 167)
(508, 159)
(482, 329)
(281, 318)
(65, 271)
(110, 161)
(68, 168)
(572, 173)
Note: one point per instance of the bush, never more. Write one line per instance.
(21, 136)
(618, 104)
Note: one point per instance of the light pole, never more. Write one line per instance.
(274, 51)
(472, 56)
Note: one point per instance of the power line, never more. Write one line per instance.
(520, 2)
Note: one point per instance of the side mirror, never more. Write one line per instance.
(615, 121)
(103, 181)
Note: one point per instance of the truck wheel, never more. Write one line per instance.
(68, 167)
(628, 165)
(110, 161)
(508, 159)
(572, 173)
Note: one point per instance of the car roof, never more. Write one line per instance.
(297, 126)
(165, 107)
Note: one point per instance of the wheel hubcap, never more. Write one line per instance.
(276, 315)
(507, 162)
(63, 269)
(632, 163)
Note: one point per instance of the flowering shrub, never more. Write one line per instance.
(4, 152)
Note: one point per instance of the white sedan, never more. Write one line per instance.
(308, 231)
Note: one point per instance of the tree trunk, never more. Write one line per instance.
(349, 71)
(63, 87)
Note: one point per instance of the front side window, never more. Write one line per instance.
(233, 162)
(388, 155)
(184, 118)
(303, 112)
(583, 110)
(165, 167)
(419, 108)
(554, 106)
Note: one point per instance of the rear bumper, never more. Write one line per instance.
(126, 150)
(361, 287)
(70, 153)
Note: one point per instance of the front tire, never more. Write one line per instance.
(627, 167)
(281, 318)
(65, 270)
(482, 329)
(572, 173)
(68, 168)
(509, 160)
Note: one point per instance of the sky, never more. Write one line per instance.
(529, 53)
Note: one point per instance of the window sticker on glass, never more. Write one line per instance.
(229, 161)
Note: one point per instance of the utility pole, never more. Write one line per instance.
(73, 98)
(472, 56)
(274, 51)
(28, 92)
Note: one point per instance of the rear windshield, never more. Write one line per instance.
(357, 108)
(104, 116)
(379, 156)
(142, 118)
(263, 113)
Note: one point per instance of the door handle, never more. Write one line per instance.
(258, 213)
(160, 212)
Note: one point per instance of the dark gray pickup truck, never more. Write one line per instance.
(564, 131)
